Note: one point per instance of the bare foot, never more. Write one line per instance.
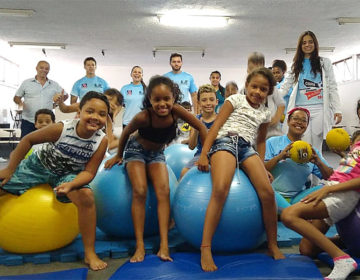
(164, 255)
(207, 262)
(276, 253)
(93, 261)
(138, 256)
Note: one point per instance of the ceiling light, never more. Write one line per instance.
(37, 45)
(179, 20)
(17, 12)
(344, 20)
(179, 49)
(321, 49)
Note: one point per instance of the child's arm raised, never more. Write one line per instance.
(260, 140)
(138, 120)
(85, 176)
(50, 133)
(317, 196)
(226, 110)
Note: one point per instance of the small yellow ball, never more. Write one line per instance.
(338, 139)
(300, 151)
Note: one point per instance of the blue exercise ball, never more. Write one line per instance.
(113, 196)
(241, 225)
(177, 156)
(281, 202)
(304, 193)
(348, 229)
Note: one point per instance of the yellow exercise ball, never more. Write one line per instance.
(338, 139)
(36, 221)
(300, 151)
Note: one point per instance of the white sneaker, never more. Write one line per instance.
(3, 159)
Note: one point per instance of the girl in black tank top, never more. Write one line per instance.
(150, 131)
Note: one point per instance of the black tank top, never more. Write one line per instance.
(160, 135)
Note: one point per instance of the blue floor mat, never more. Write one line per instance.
(324, 257)
(245, 266)
(74, 274)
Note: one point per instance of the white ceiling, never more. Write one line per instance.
(129, 30)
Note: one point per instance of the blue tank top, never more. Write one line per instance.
(160, 135)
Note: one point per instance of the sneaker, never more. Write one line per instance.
(3, 159)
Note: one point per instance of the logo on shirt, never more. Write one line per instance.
(84, 85)
(98, 85)
(313, 89)
(184, 82)
(185, 127)
(129, 92)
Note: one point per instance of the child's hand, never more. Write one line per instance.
(314, 157)
(203, 163)
(63, 189)
(114, 160)
(286, 152)
(5, 175)
(317, 196)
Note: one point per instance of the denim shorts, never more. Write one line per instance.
(134, 151)
(31, 172)
(237, 146)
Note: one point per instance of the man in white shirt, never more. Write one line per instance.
(34, 94)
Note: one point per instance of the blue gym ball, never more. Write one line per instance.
(177, 156)
(241, 225)
(113, 196)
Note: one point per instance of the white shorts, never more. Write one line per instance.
(340, 204)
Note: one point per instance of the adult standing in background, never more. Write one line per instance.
(314, 88)
(133, 94)
(35, 94)
(90, 82)
(215, 78)
(184, 80)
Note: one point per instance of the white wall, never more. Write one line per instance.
(349, 95)
(67, 72)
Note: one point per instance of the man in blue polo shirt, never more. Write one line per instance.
(34, 94)
(90, 82)
(184, 80)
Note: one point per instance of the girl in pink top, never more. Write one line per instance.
(313, 215)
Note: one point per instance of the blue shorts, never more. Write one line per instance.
(31, 173)
(134, 151)
(235, 145)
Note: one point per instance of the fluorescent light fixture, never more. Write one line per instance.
(16, 12)
(321, 49)
(345, 20)
(48, 46)
(179, 20)
(179, 49)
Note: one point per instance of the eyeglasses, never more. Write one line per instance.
(299, 120)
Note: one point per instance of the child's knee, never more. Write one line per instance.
(306, 248)
(140, 192)
(287, 216)
(86, 198)
(163, 192)
(220, 193)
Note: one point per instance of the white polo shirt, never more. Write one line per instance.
(37, 96)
